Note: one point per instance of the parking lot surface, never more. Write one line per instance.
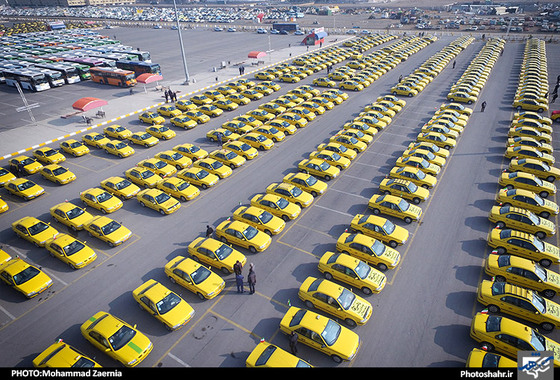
(420, 319)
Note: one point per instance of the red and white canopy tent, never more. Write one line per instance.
(148, 78)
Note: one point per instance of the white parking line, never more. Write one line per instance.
(47, 272)
(330, 209)
(178, 360)
(7, 313)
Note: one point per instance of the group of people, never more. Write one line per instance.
(170, 95)
(237, 269)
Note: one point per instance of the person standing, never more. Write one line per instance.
(293, 342)
(239, 282)
(209, 231)
(554, 97)
(237, 267)
(251, 278)
(454, 63)
(166, 93)
(482, 106)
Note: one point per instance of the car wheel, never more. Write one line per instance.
(543, 194)
(548, 293)
(232, 166)
(225, 270)
(500, 279)
(376, 211)
(327, 178)
(350, 322)
(541, 110)
(252, 249)
(286, 218)
(204, 186)
(200, 295)
(501, 250)
(309, 305)
(410, 94)
(544, 214)
(469, 102)
(393, 244)
(356, 89)
(394, 93)
(550, 178)
(367, 291)
(382, 267)
(540, 234)
(546, 326)
(336, 358)
(314, 193)
(183, 198)
(161, 211)
(416, 200)
(223, 240)
(493, 309)
(328, 276)
(500, 225)
(545, 263)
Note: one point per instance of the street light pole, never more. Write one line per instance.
(187, 78)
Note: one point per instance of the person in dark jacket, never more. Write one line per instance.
(251, 278)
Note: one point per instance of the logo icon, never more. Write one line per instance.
(533, 365)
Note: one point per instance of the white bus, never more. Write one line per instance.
(27, 79)
(54, 78)
(69, 72)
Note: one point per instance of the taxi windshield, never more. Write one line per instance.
(168, 303)
(346, 299)
(121, 337)
(200, 274)
(331, 332)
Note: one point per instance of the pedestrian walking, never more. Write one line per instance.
(237, 267)
(219, 137)
(239, 283)
(209, 231)
(400, 78)
(554, 97)
(482, 106)
(454, 63)
(293, 342)
(251, 278)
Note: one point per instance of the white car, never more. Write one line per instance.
(261, 31)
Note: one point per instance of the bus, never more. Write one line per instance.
(114, 77)
(69, 73)
(27, 79)
(83, 70)
(54, 77)
(141, 55)
(91, 62)
(139, 67)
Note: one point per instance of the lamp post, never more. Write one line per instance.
(187, 78)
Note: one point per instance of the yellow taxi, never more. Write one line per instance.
(527, 181)
(461, 97)
(57, 174)
(331, 157)
(259, 114)
(252, 94)
(368, 249)
(174, 158)
(185, 105)
(116, 338)
(529, 152)
(352, 271)
(269, 135)
(48, 155)
(531, 142)
(168, 110)
(214, 95)
(213, 252)
(270, 84)
(536, 167)
(283, 126)
(158, 200)
(489, 329)
(107, 230)
(340, 149)
(214, 166)
(226, 135)
(276, 205)
(29, 164)
(242, 149)
(533, 116)
(301, 93)
(165, 305)
(244, 235)
(357, 134)
(118, 148)
(161, 132)
(74, 147)
(227, 90)
(239, 99)
(323, 102)
(530, 132)
(183, 121)
(332, 97)
(71, 251)
(319, 168)
(143, 138)
(151, 118)
(291, 193)
(200, 100)
(351, 85)
(260, 219)
(226, 104)
(380, 229)
(457, 107)
(448, 118)
(405, 189)
(237, 127)
(313, 107)
(519, 302)
(414, 175)
(34, 230)
(194, 277)
(117, 132)
(430, 147)
(160, 167)
(303, 112)
(394, 206)
(349, 142)
(425, 154)
(194, 152)
(210, 110)
(24, 188)
(392, 99)
(62, 355)
(267, 355)
(365, 124)
(101, 199)
(524, 245)
(143, 177)
(227, 157)
(3, 206)
(530, 105)
(306, 182)
(418, 162)
(523, 272)
(197, 116)
(321, 333)
(441, 129)
(178, 188)
(23, 277)
(263, 90)
(521, 219)
(198, 176)
(324, 82)
(272, 108)
(482, 359)
(335, 300)
(438, 139)
(528, 200)
(70, 215)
